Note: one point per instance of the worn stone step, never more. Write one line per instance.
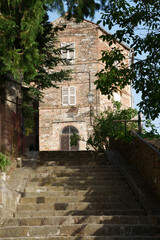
(76, 168)
(78, 171)
(85, 238)
(78, 187)
(72, 164)
(78, 183)
(78, 206)
(85, 212)
(70, 220)
(80, 229)
(72, 161)
(81, 159)
(99, 192)
(73, 174)
(73, 155)
(68, 199)
(82, 178)
(66, 162)
(51, 166)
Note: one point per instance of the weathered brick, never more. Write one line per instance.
(53, 116)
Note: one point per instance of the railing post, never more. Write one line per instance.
(139, 123)
(125, 124)
(114, 128)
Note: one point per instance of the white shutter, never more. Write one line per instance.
(72, 96)
(64, 51)
(71, 52)
(68, 53)
(65, 95)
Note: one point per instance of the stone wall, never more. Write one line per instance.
(146, 161)
(11, 137)
(126, 93)
(53, 116)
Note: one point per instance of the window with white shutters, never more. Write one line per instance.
(65, 94)
(68, 96)
(69, 52)
(72, 96)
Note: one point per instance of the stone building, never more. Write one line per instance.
(66, 110)
(11, 134)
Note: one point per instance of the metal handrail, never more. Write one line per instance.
(148, 144)
(131, 120)
(137, 135)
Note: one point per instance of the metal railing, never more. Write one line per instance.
(129, 121)
(149, 145)
(155, 151)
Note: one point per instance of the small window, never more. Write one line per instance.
(69, 51)
(68, 96)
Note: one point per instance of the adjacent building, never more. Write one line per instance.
(11, 133)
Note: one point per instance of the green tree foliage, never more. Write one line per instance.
(104, 128)
(27, 48)
(84, 8)
(27, 43)
(139, 25)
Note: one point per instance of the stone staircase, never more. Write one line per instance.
(79, 196)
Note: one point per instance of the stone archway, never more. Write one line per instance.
(65, 139)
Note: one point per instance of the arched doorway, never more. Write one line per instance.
(65, 139)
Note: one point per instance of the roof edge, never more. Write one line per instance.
(105, 31)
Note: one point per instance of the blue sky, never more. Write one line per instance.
(137, 97)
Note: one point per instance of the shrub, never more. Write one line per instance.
(104, 128)
(4, 162)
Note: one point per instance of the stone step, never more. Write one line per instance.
(78, 206)
(77, 162)
(71, 169)
(72, 161)
(66, 154)
(80, 229)
(126, 212)
(54, 165)
(77, 187)
(81, 178)
(68, 199)
(71, 220)
(72, 155)
(78, 154)
(78, 168)
(78, 183)
(85, 238)
(88, 193)
(73, 174)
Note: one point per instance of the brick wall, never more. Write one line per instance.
(11, 137)
(53, 116)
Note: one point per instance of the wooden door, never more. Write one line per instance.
(65, 139)
(65, 142)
